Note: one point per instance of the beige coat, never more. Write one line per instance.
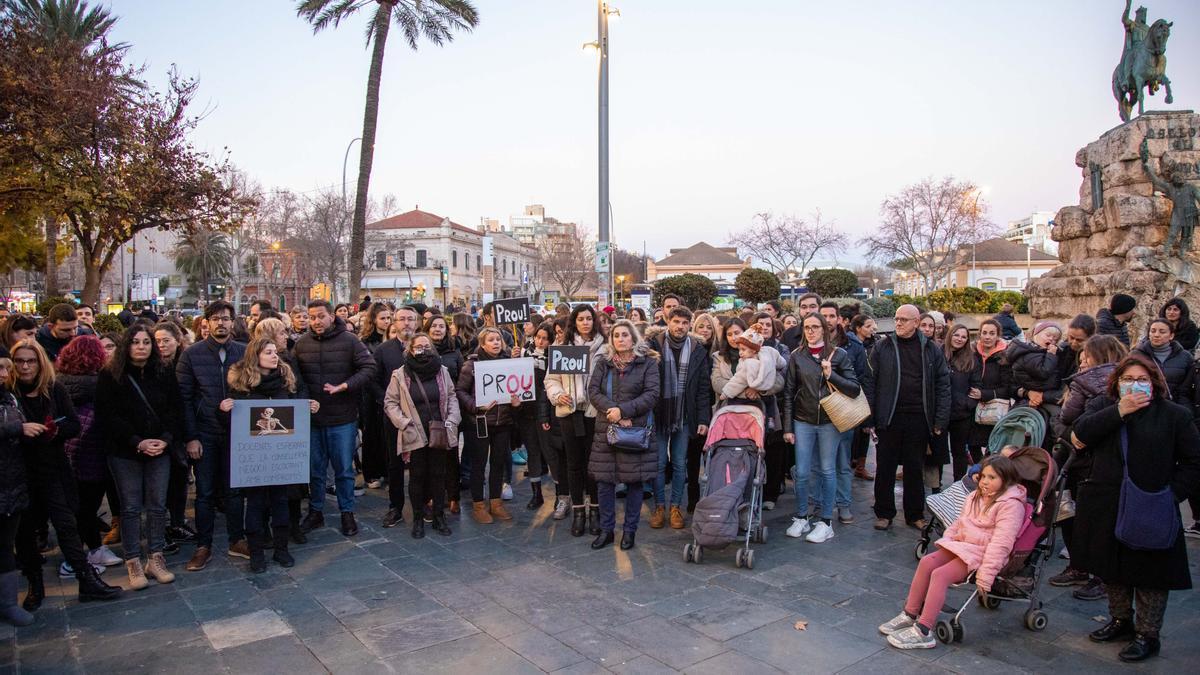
(399, 407)
(576, 386)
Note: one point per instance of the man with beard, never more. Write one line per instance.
(202, 371)
(388, 357)
(809, 303)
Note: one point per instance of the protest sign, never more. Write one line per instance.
(512, 311)
(499, 379)
(568, 360)
(268, 443)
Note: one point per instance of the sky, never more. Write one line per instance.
(719, 110)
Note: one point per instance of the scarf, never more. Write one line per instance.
(815, 350)
(1161, 353)
(986, 354)
(425, 365)
(622, 361)
(676, 378)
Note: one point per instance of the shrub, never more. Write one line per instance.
(108, 323)
(756, 285)
(997, 299)
(832, 283)
(967, 300)
(43, 307)
(877, 307)
(697, 291)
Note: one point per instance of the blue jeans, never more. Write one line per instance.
(143, 487)
(821, 441)
(332, 446)
(674, 445)
(212, 483)
(844, 472)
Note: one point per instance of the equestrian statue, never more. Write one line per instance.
(1143, 62)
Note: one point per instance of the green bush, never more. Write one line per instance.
(756, 285)
(997, 299)
(697, 291)
(832, 283)
(879, 307)
(43, 307)
(919, 300)
(108, 323)
(967, 300)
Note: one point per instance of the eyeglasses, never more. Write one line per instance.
(812, 328)
(25, 362)
(901, 319)
(1134, 380)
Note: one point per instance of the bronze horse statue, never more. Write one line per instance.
(1143, 66)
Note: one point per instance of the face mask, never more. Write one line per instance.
(1127, 388)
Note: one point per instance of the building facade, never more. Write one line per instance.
(992, 265)
(1034, 230)
(721, 264)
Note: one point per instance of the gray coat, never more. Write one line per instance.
(636, 393)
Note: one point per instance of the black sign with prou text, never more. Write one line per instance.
(567, 360)
(511, 311)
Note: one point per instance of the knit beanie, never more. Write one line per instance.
(1121, 303)
(751, 339)
(1043, 325)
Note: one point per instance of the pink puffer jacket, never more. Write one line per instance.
(984, 540)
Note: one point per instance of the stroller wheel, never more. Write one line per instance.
(990, 602)
(956, 626)
(1036, 620)
(687, 553)
(748, 559)
(921, 549)
(737, 557)
(762, 534)
(944, 632)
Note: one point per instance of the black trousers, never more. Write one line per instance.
(777, 454)
(577, 430)
(860, 445)
(91, 494)
(395, 476)
(695, 449)
(902, 443)
(488, 455)
(426, 476)
(8, 535)
(375, 461)
(263, 503)
(177, 489)
(961, 454)
(53, 495)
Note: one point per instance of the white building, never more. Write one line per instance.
(1034, 230)
(993, 265)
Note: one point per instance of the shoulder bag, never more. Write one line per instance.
(436, 434)
(991, 412)
(1146, 521)
(846, 413)
(630, 439)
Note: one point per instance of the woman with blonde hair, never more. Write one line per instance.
(488, 433)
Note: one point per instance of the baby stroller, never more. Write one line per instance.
(1020, 427)
(1021, 577)
(732, 473)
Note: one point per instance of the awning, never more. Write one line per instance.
(386, 282)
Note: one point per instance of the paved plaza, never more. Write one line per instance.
(526, 597)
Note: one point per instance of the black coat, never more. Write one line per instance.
(636, 393)
(388, 357)
(883, 391)
(334, 357)
(124, 418)
(1107, 324)
(805, 385)
(1177, 370)
(45, 459)
(451, 356)
(1164, 450)
(697, 388)
(1033, 369)
(501, 415)
(1009, 329)
(1187, 335)
(14, 489)
(962, 406)
(202, 387)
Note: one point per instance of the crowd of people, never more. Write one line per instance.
(133, 419)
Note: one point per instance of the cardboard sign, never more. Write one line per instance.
(268, 443)
(510, 312)
(499, 379)
(568, 359)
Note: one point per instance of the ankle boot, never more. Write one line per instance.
(439, 524)
(258, 554)
(113, 536)
(281, 555)
(36, 592)
(603, 539)
(578, 516)
(137, 574)
(418, 528)
(593, 518)
(294, 531)
(10, 611)
(92, 587)
(498, 510)
(479, 511)
(536, 502)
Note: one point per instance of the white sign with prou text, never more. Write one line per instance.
(499, 380)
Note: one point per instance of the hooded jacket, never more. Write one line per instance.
(1033, 367)
(984, 539)
(49, 343)
(334, 357)
(1177, 369)
(1083, 387)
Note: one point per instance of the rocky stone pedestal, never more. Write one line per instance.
(1112, 241)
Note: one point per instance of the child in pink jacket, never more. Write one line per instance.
(980, 540)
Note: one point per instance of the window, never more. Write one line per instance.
(402, 263)
(454, 258)
(1011, 282)
(478, 262)
(990, 286)
(421, 255)
(380, 260)
(466, 260)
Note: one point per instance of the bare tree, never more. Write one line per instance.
(924, 226)
(247, 236)
(566, 262)
(788, 244)
(320, 235)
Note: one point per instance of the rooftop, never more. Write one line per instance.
(701, 254)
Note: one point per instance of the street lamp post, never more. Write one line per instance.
(601, 44)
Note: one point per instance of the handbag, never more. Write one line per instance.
(436, 434)
(991, 412)
(1146, 521)
(630, 439)
(845, 412)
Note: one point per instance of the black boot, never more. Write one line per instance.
(418, 529)
(536, 502)
(439, 524)
(603, 539)
(92, 587)
(281, 555)
(627, 541)
(1114, 630)
(37, 590)
(1142, 648)
(593, 520)
(578, 518)
(296, 532)
(312, 521)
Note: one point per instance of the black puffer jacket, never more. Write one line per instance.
(1033, 368)
(124, 418)
(14, 489)
(334, 357)
(202, 386)
(451, 356)
(962, 406)
(1177, 370)
(1107, 324)
(806, 385)
(501, 414)
(883, 391)
(636, 393)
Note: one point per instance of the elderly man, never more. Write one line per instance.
(910, 405)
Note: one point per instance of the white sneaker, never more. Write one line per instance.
(506, 492)
(798, 528)
(1064, 554)
(65, 571)
(561, 508)
(375, 484)
(358, 492)
(768, 506)
(897, 624)
(104, 557)
(911, 638)
(821, 533)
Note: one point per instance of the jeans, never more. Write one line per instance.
(212, 483)
(844, 472)
(332, 446)
(672, 446)
(903, 442)
(607, 493)
(822, 441)
(143, 487)
(177, 489)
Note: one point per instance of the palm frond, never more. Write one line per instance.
(323, 13)
(435, 20)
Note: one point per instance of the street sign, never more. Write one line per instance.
(602, 256)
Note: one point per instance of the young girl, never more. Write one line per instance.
(752, 371)
(979, 540)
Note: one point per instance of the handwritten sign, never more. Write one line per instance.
(511, 311)
(500, 379)
(568, 359)
(268, 443)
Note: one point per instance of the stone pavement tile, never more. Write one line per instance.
(347, 573)
(289, 600)
(193, 657)
(494, 620)
(897, 662)
(608, 565)
(415, 633)
(48, 624)
(642, 665)
(245, 628)
(729, 619)
(314, 624)
(864, 612)
(343, 653)
(214, 573)
(385, 549)
(599, 646)
(741, 581)
(583, 668)
(697, 598)
(454, 594)
(542, 650)
(225, 599)
(283, 654)
(784, 575)
(826, 589)
(818, 649)
(338, 602)
(670, 643)
(501, 559)
(968, 661)
(549, 617)
(131, 629)
(732, 662)
(477, 653)
(416, 571)
(390, 610)
(46, 657)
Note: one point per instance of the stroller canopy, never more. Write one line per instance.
(1020, 427)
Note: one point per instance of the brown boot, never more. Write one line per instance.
(113, 536)
(676, 518)
(137, 576)
(658, 517)
(479, 511)
(454, 508)
(158, 569)
(498, 510)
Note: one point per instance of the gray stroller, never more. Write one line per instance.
(732, 473)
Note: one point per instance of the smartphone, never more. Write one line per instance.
(56, 420)
(481, 428)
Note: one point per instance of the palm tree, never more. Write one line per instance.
(62, 22)
(436, 20)
(203, 255)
